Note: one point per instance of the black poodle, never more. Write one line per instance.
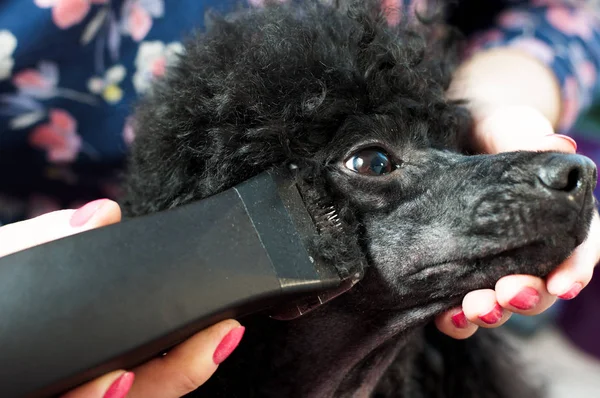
(359, 109)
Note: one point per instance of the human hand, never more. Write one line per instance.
(182, 370)
(510, 128)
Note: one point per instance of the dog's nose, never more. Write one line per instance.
(567, 173)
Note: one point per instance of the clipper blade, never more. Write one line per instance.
(323, 212)
(329, 225)
(326, 218)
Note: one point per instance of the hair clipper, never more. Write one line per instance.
(111, 298)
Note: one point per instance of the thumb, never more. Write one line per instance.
(56, 225)
(514, 128)
(112, 385)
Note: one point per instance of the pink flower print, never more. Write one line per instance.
(587, 73)
(31, 78)
(128, 131)
(260, 3)
(67, 13)
(58, 138)
(140, 22)
(152, 61)
(514, 19)
(137, 17)
(541, 3)
(537, 48)
(570, 105)
(393, 11)
(569, 22)
(36, 83)
(159, 67)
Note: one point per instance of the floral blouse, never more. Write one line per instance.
(71, 71)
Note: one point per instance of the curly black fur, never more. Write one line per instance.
(312, 86)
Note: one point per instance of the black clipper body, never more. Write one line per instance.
(111, 298)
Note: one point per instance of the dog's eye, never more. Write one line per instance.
(371, 162)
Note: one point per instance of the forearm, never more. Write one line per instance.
(545, 56)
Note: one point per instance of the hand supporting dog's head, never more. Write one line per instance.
(360, 108)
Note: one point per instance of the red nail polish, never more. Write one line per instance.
(120, 387)
(84, 214)
(460, 320)
(566, 138)
(228, 344)
(575, 289)
(526, 299)
(493, 316)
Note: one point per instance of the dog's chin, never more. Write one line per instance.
(448, 282)
(536, 258)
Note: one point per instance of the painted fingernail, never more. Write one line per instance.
(460, 320)
(120, 387)
(84, 214)
(573, 291)
(565, 138)
(526, 299)
(493, 316)
(228, 344)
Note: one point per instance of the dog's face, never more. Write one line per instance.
(361, 109)
(438, 224)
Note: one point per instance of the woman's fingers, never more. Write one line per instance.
(56, 225)
(518, 128)
(576, 272)
(25, 234)
(175, 374)
(481, 308)
(189, 365)
(455, 324)
(523, 294)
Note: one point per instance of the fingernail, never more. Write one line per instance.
(573, 291)
(565, 138)
(493, 316)
(460, 320)
(84, 214)
(526, 299)
(228, 344)
(120, 387)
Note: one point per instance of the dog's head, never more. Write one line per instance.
(360, 108)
